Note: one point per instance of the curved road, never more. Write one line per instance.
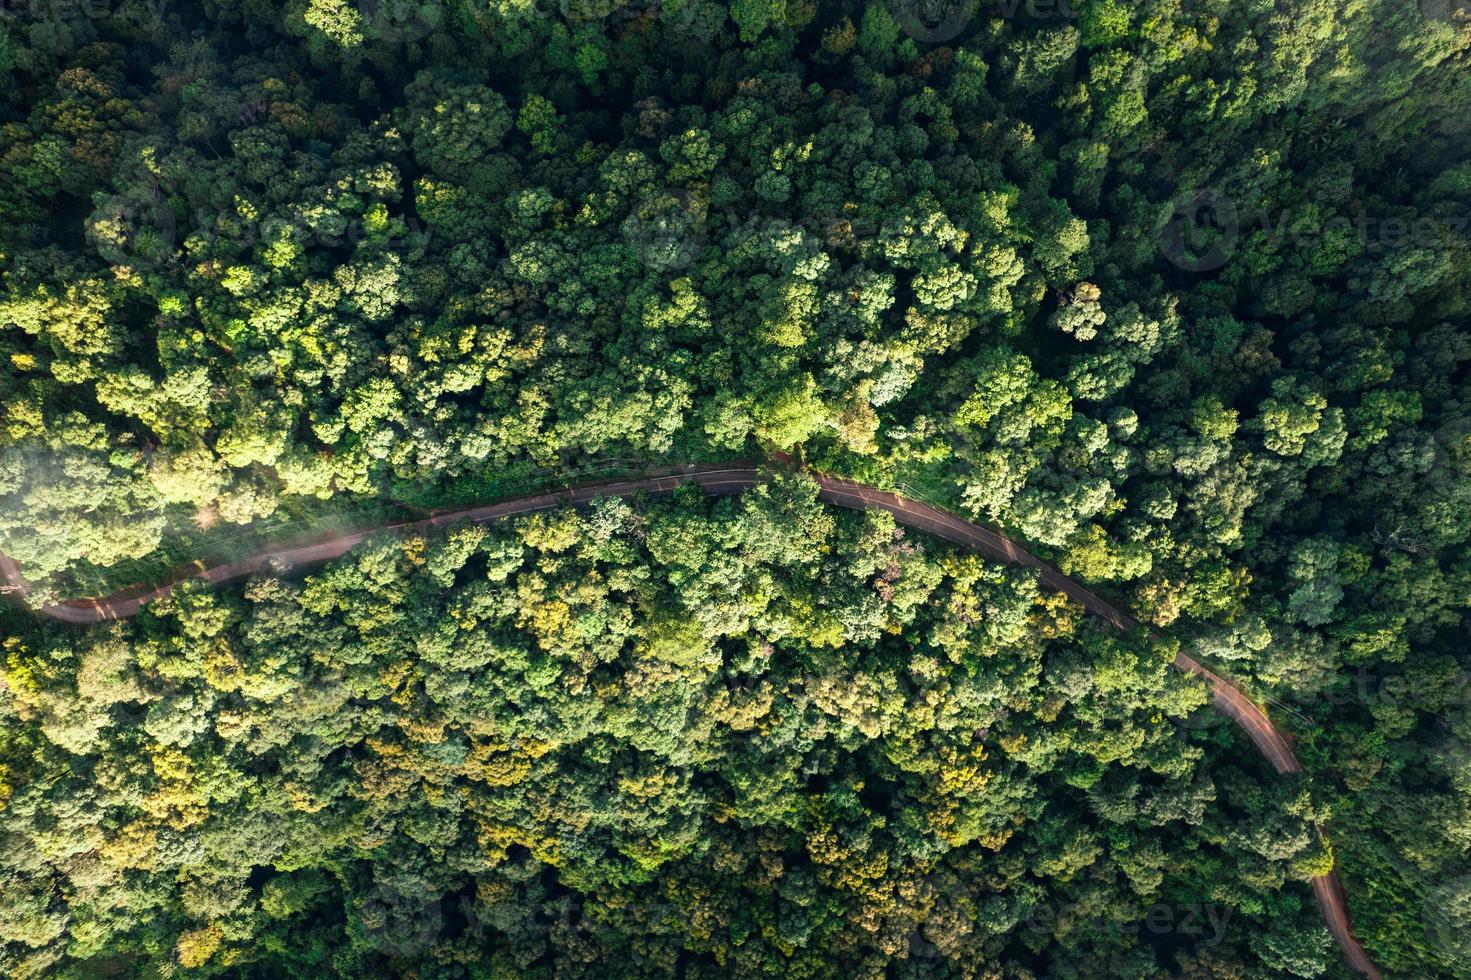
(721, 480)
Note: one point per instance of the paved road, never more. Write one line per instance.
(721, 480)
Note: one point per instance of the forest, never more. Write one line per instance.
(1175, 292)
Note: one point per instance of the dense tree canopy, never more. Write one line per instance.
(753, 735)
(1176, 291)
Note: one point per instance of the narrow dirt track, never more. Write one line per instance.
(721, 481)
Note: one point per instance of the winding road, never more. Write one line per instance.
(728, 480)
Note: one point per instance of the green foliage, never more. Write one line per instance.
(267, 264)
(650, 718)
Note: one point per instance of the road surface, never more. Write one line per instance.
(726, 480)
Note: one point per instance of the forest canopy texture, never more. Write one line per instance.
(1175, 292)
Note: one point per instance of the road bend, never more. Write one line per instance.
(719, 480)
